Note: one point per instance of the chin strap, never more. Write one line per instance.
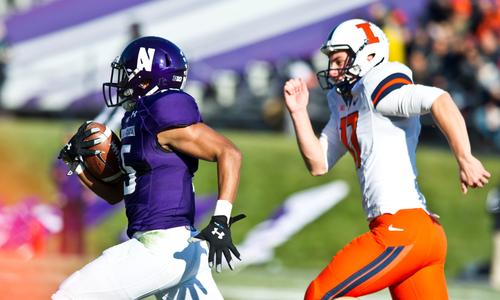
(344, 88)
(128, 105)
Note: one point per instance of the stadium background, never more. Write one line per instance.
(55, 54)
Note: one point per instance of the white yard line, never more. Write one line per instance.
(241, 292)
(245, 292)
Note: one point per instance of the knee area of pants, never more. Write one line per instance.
(311, 291)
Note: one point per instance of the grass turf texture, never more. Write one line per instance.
(272, 170)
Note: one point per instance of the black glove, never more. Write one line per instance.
(73, 152)
(218, 235)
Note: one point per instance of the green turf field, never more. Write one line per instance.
(276, 283)
(272, 170)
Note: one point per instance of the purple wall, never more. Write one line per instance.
(298, 43)
(60, 14)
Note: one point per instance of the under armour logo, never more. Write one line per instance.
(219, 234)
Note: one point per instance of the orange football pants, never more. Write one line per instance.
(405, 251)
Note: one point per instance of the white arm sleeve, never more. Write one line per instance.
(332, 146)
(111, 117)
(409, 100)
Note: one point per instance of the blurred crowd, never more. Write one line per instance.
(455, 46)
(12, 6)
(252, 99)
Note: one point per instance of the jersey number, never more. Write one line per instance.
(129, 184)
(352, 144)
(370, 36)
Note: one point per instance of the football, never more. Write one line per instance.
(106, 165)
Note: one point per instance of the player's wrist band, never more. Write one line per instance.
(223, 208)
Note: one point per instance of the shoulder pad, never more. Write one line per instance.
(171, 109)
(385, 78)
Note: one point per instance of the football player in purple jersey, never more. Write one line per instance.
(163, 137)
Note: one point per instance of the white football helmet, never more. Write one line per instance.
(360, 39)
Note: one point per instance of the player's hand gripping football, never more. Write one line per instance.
(218, 235)
(73, 152)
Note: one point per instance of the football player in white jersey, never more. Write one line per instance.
(375, 109)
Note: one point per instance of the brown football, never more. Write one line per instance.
(105, 165)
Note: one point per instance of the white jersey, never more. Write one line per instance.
(383, 144)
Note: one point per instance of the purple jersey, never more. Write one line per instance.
(159, 189)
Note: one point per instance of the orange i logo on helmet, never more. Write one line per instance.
(370, 36)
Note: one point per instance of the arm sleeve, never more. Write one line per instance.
(409, 100)
(111, 117)
(332, 146)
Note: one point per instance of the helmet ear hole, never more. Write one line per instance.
(168, 61)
